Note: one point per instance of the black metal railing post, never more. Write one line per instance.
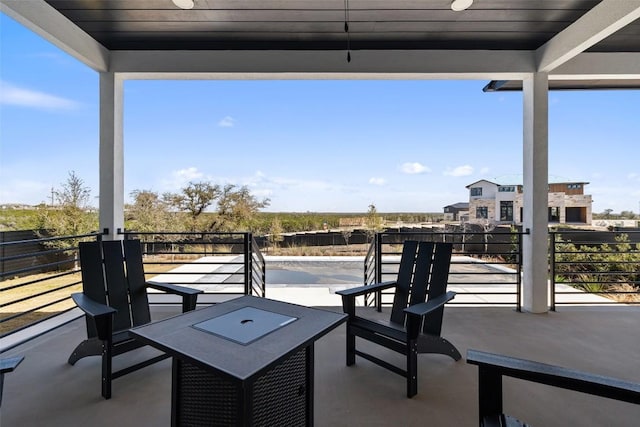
(519, 275)
(552, 268)
(377, 238)
(247, 264)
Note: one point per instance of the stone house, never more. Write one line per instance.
(456, 211)
(502, 204)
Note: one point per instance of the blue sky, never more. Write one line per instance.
(405, 146)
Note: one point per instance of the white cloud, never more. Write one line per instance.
(484, 171)
(633, 176)
(14, 95)
(180, 178)
(464, 170)
(412, 168)
(227, 122)
(377, 181)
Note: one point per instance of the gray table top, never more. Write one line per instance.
(243, 362)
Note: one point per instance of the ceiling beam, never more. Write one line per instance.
(603, 66)
(365, 64)
(600, 22)
(44, 20)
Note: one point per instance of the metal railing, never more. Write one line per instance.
(600, 263)
(38, 275)
(221, 263)
(37, 278)
(485, 265)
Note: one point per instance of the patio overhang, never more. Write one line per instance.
(573, 84)
(531, 42)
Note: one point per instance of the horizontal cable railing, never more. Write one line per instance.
(485, 265)
(600, 263)
(220, 263)
(37, 276)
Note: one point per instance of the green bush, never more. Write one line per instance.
(598, 268)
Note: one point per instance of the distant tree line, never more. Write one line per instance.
(199, 206)
(609, 214)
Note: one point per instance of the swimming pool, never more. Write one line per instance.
(314, 272)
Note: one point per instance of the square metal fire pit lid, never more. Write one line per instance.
(245, 325)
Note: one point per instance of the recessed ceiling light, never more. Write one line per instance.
(458, 5)
(184, 4)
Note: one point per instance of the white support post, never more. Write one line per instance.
(111, 155)
(535, 198)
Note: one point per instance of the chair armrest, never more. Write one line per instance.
(556, 376)
(90, 307)
(189, 295)
(366, 289)
(173, 289)
(9, 364)
(425, 308)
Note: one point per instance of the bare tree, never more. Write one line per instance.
(194, 199)
(149, 212)
(346, 235)
(275, 232)
(373, 221)
(487, 227)
(71, 216)
(73, 193)
(237, 208)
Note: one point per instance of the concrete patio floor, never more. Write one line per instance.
(46, 391)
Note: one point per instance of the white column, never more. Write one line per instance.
(111, 155)
(535, 198)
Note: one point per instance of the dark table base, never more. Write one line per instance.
(283, 396)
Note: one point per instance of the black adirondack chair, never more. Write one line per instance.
(415, 325)
(492, 367)
(114, 300)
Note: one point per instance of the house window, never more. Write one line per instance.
(507, 189)
(506, 211)
(482, 212)
(476, 191)
(574, 186)
(554, 214)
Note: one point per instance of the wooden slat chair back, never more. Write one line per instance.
(104, 281)
(413, 275)
(437, 288)
(415, 324)
(114, 299)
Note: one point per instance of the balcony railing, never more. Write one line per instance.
(220, 263)
(480, 259)
(598, 262)
(37, 277)
(38, 274)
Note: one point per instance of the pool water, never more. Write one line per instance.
(314, 272)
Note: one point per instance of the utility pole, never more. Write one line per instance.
(52, 195)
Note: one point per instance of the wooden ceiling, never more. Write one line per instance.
(320, 25)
